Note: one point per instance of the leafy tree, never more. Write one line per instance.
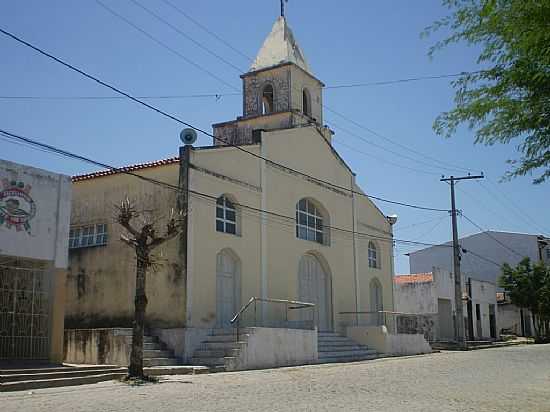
(529, 288)
(143, 238)
(510, 97)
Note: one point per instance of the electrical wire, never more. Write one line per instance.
(198, 24)
(234, 67)
(492, 237)
(165, 46)
(174, 96)
(172, 117)
(517, 210)
(407, 80)
(65, 153)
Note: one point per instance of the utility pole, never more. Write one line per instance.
(459, 317)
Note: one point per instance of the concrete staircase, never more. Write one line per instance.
(220, 349)
(334, 347)
(155, 353)
(52, 377)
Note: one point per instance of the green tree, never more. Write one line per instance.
(509, 98)
(529, 288)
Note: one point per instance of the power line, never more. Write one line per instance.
(220, 39)
(517, 210)
(216, 95)
(375, 133)
(492, 237)
(191, 39)
(383, 148)
(482, 257)
(406, 80)
(322, 105)
(164, 45)
(381, 159)
(168, 96)
(55, 150)
(172, 117)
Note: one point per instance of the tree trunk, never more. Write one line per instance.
(135, 369)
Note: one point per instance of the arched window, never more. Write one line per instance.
(374, 261)
(267, 99)
(310, 222)
(226, 216)
(306, 102)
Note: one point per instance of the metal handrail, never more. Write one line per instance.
(253, 299)
(389, 312)
(236, 318)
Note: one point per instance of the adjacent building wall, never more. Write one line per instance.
(101, 279)
(483, 244)
(42, 235)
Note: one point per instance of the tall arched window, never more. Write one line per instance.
(310, 222)
(267, 99)
(306, 102)
(226, 216)
(374, 261)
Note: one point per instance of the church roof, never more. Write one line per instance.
(279, 47)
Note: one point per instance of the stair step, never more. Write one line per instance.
(151, 346)
(338, 348)
(146, 339)
(157, 353)
(58, 382)
(47, 374)
(55, 369)
(216, 353)
(208, 361)
(222, 338)
(221, 345)
(346, 353)
(343, 359)
(161, 362)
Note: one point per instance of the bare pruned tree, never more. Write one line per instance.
(143, 237)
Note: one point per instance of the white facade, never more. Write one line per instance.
(513, 247)
(433, 296)
(35, 207)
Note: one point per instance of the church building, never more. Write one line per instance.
(272, 212)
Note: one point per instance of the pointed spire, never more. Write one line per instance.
(279, 47)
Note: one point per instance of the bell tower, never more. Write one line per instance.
(279, 90)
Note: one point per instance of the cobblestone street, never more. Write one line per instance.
(505, 379)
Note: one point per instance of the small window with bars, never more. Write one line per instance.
(226, 216)
(88, 236)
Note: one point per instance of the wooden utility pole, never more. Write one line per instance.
(459, 317)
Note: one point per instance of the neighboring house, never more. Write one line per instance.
(492, 249)
(254, 228)
(34, 231)
(432, 296)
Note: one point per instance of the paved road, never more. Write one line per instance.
(504, 379)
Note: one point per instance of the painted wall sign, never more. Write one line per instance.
(17, 207)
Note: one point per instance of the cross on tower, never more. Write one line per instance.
(283, 7)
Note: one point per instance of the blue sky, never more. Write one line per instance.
(350, 42)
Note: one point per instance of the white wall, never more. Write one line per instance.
(48, 198)
(274, 347)
(417, 297)
(481, 244)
